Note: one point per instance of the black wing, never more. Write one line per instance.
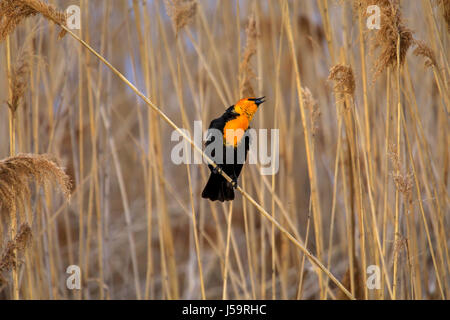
(219, 123)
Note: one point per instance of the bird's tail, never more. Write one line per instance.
(218, 188)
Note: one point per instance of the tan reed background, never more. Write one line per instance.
(364, 156)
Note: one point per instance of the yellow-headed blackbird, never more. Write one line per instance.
(229, 133)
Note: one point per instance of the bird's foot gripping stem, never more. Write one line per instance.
(234, 183)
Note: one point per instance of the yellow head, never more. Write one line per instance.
(248, 106)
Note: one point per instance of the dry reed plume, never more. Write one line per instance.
(18, 171)
(422, 50)
(246, 73)
(344, 79)
(19, 77)
(313, 107)
(403, 181)
(17, 246)
(391, 29)
(13, 12)
(181, 12)
(343, 198)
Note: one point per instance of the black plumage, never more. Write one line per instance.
(217, 188)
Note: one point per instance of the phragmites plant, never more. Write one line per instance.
(246, 73)
(340, 200)
(17, 172)
(403, 181)
(13, 12)
(386, 38)
(344, 79)
(422, 50)
(181, 12)
(313, 107)
(19, 77)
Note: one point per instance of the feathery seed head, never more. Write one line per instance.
(17, 172)
(344, 79)
(246, 73)
(13, 12)
(425, 51)
(181, 12)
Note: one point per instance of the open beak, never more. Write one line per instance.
(258, 101)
